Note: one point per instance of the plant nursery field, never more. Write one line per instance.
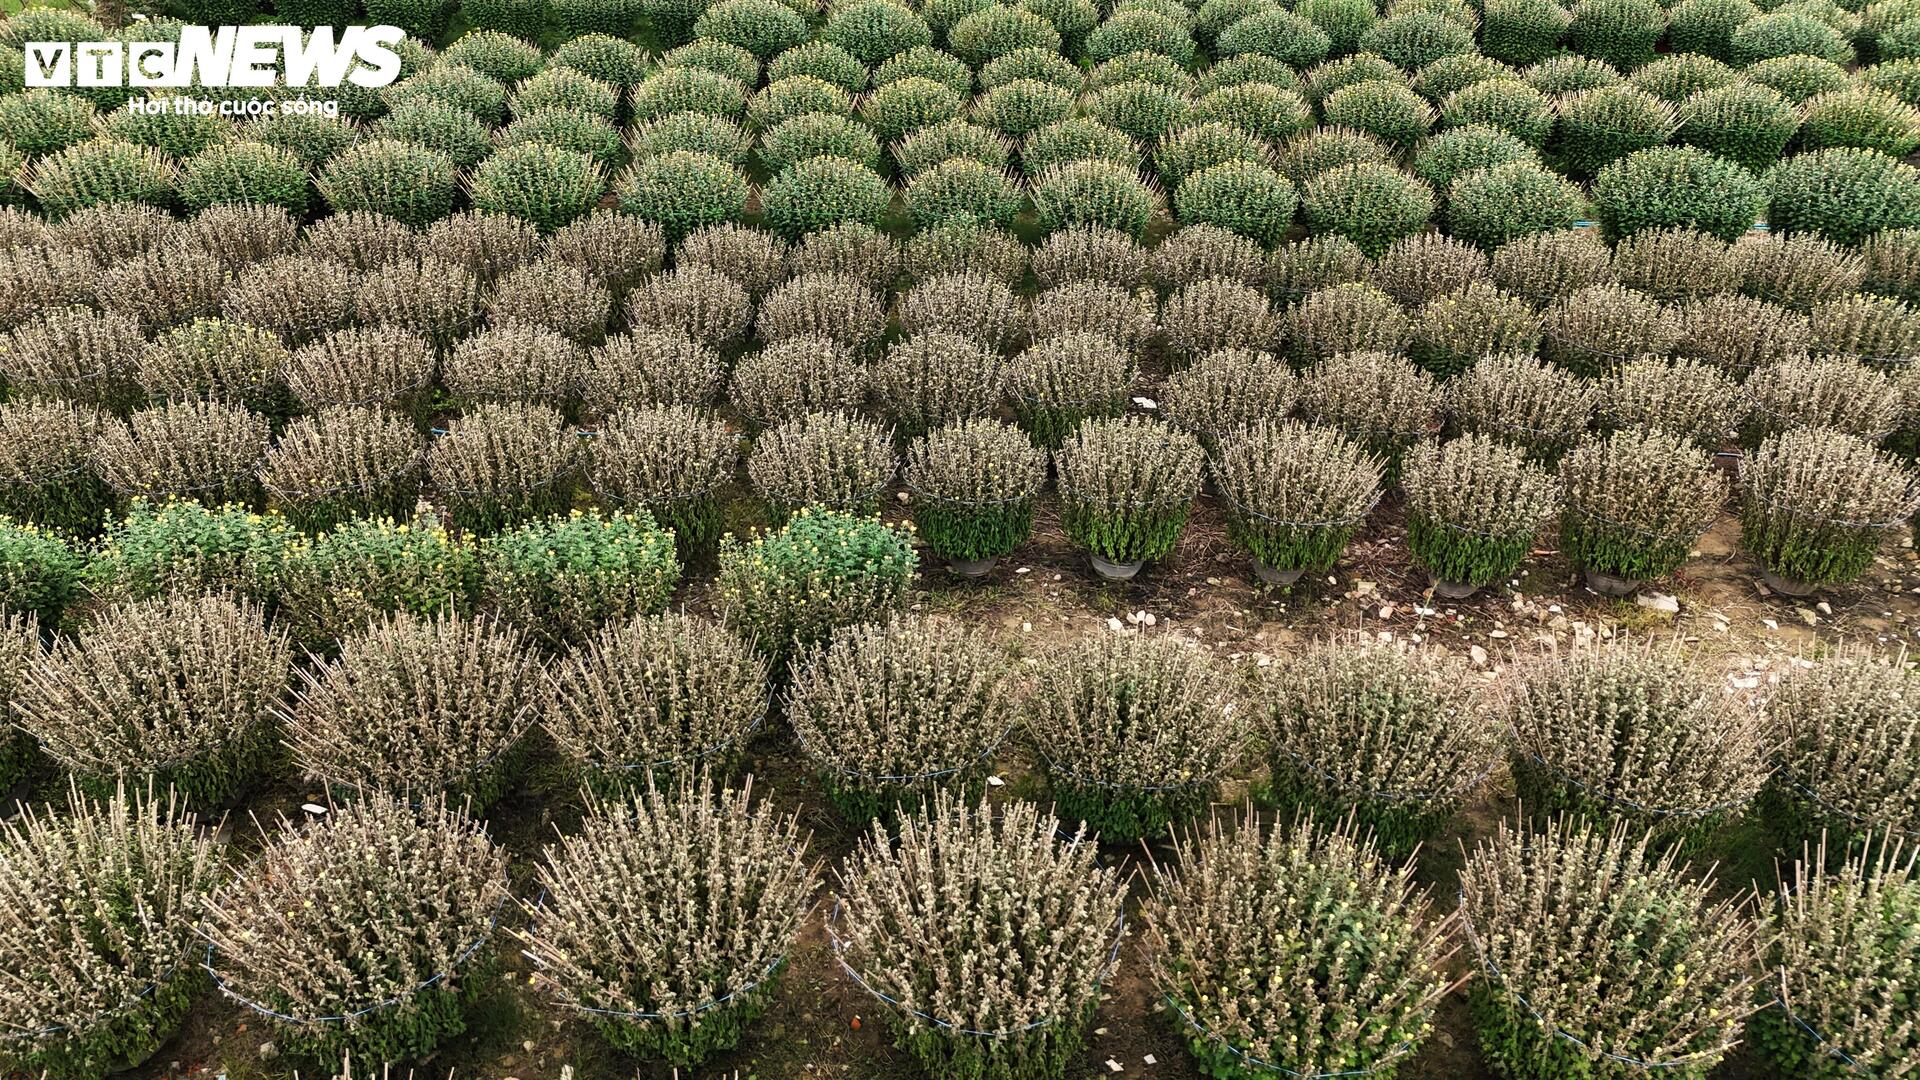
(966, 539)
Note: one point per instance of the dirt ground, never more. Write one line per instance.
(821, 1025)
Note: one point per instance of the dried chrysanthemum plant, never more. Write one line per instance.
(1295, 494)
(1846, 963)
(503, 464)
(988, 934)
(974, 485)
(47, 471)
(367, 932)
(1537, 407)
(341, 463)
(514, 363)
(1378, 399)
(1135, 733)
(1067, 378)
(1226, 390)
(650, 366)
(1598, 958)
(1847, 732)
(1474, 507)
(656, 697)
(1295, 950)
(671, 461)
(1634, 732)
(418, 705)
(561, 578)
(19, 647)
(792, 378)
(1126, 487)
(934, 378)
(363, 365)
(1391, 736)
(1837, 393)
(216, 360)
(657, 980)
(74, 354)
(1634, 504)
(190, 450)
(890, 712)
(827, 460)
(791, 587)
(1691, 399)
(1817, 504)
(99, 909)
(180, 690)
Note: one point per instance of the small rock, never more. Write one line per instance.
(314, 808)
(1771, 624)
(994, 781)
(527, 1046)
(1146, 403)
(1026, 628)
(1114, 624)
(902, 496)
(1496, 634)
(1024, 570)
(1151, 1060)
(1115, 1066)
(268, 1051)
(1807, 616)
(1386, 611)
(1478, 654)
(1661, 602)
(1823, 608)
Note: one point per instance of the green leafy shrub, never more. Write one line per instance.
(1863, 118)
(1134, 733)
(1296, 493)
(1817, 504)
(1505, 104)
(114, 979)
(457, 693)
(1600, 126)
(498, 52)
(338, 583)
(603, 55)
(1493, 207)
(762, 27)
(1413, 39)
(997, 30)
(40, 121)
(500, 465)
(1388, 111)
(1094, 192)
(176, 691)
(974, 484)
(1844, 194)
(889, 714)
(437, 125)
(247, 173)
(1265, 110)
(717, 137)
(1799, 77)
(791, 587)
(398, 902)
(1392, 737)
(1595, 900)
(1474, 507)
(565, 88)
(546, 185)
(98, 172)
(1787, 33)
(1243, 197)
(1523, 31)
(949, 141)
(1677, 186)
(185, 548)
(1369, 204)
(793, 96)
(561, 577)
(1298, 883)
(40, 572)
(1127, 485)
(1742, 122)
(1634, 733)
(176, 133)
(822, 192)
(1013, 109)
(1054, 912)
(411, 184)
(1073, 141)
(1621, 32)
(462, 85)
(962, 188)
(896, 109)
(1706, 27)
(684, 190)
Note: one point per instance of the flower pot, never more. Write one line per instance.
(1270, 576)
(1114, 571)
(1454, 590)
(972, 569)
(1611, 584)
(1787, 586)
